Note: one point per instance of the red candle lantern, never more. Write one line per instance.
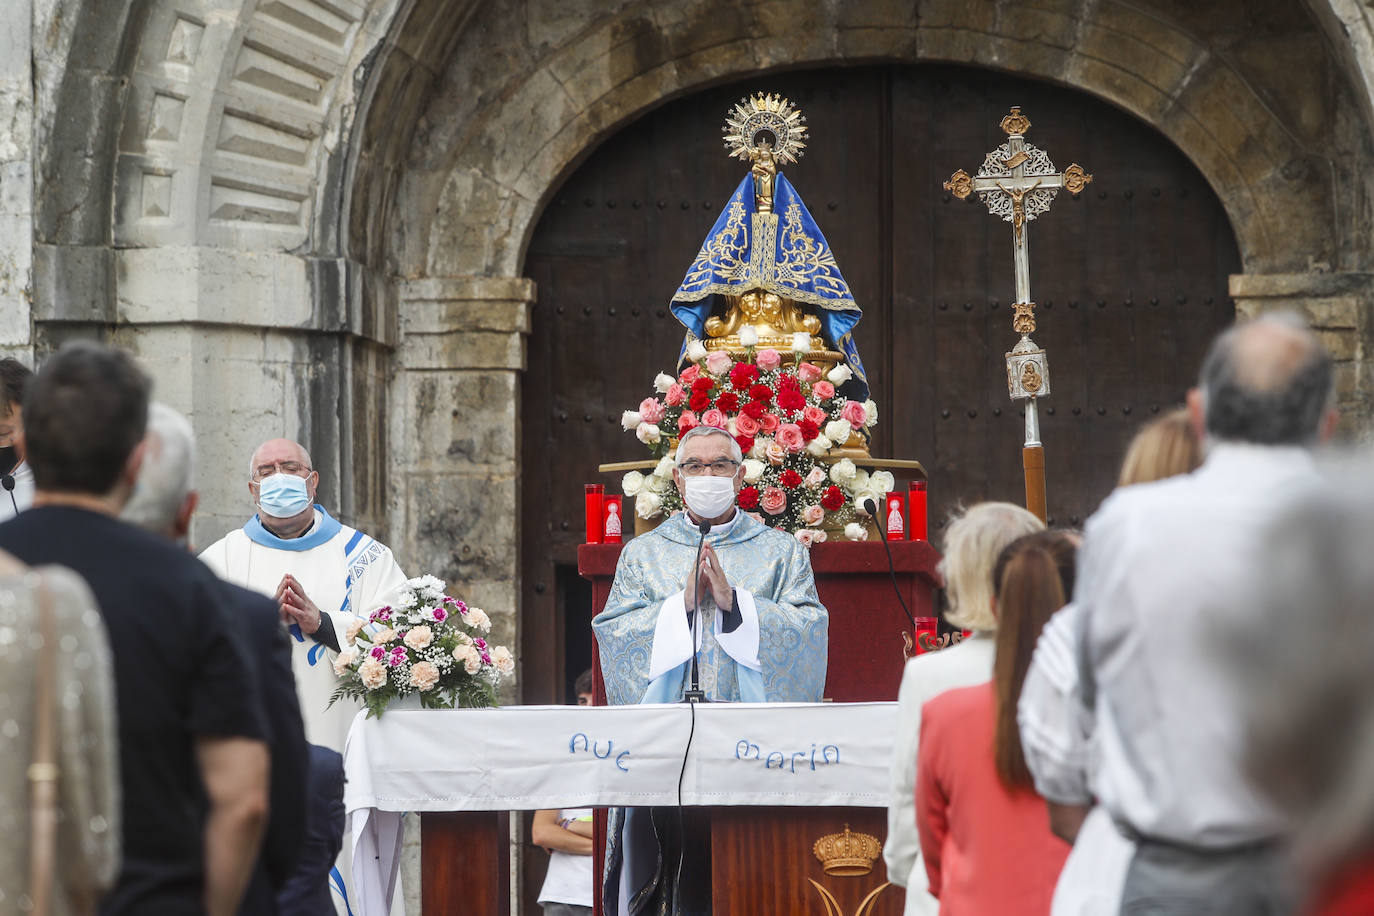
(613, 518)
(917, 524)
(927, 634)
(895, 519)
(594, 495)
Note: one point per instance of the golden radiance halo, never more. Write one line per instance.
(770, 114)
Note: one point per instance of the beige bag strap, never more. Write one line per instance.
(43, 772)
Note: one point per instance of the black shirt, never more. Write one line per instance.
(178, 675)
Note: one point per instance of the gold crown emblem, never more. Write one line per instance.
(848, 854)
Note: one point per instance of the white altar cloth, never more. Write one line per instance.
(531, 757)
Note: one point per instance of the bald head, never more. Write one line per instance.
(1267, 381)
(275, 451)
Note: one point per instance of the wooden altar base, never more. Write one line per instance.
(761, 862)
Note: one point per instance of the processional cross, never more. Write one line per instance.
(1018, 182)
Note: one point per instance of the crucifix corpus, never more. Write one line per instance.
(1018, 182)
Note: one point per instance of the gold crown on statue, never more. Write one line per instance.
(847, 854)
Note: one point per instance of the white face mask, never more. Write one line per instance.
(709, 496)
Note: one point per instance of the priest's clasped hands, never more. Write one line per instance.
(296, 607)
(711, 573)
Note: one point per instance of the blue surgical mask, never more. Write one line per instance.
(283, 495)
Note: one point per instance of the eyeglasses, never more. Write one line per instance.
(721, 467)
(294, 468)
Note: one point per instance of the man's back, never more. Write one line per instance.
(178, 676)
(1163, 566)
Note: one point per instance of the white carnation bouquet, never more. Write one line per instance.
(427, 644)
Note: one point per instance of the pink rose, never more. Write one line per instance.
(718, 362)
(676, 396)
(713, 417)
(854, 412)
(770, 422)
(817, 477)
(809, 373)
(814, 414)
(790, 437)
(686, 421)
(746, 425)
(768, 358)
(823, 390)
(689, 375)
(775, 453)
(773, 500)
(812, 515)
(650, 410)
(807, 536)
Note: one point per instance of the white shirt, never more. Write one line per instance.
(1056, 735)
(569, 878)
(924, 678)
(1163, 566)
(324, 572)
(22, 493)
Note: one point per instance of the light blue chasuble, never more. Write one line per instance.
(769, 564)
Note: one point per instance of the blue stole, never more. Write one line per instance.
(325, 529)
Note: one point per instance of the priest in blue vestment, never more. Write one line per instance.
(762, 637)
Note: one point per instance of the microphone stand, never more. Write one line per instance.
(872, 509)
(694, 693)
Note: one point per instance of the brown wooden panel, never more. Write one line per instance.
(762, 861)
(465, 863)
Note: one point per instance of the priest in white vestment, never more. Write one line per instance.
(323, 574)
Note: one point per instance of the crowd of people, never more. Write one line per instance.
(1169, 712)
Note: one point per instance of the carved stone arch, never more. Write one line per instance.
(498, 164)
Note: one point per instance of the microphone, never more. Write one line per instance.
(7, 481)
(694, 694)
(872, 509)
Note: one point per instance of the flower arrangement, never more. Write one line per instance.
(426, 644)
(786, 415)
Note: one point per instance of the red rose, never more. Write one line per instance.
(749, 498)
(743, 375)
(790, 478)
(702, 384)
(761, 393)
(832, 500)
(809, 430)
(788, 382)
(728, 401)
(699, 401)
(745, 443)
(754, 410)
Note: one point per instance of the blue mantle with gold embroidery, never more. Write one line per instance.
(782, 252)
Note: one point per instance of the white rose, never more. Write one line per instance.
(696, 351)
(662, 382)
(630, 419)
(863, 496)
(801, 342)
(870, 412)
(632, 483)
(838, 430)
(664, 468)
(730, 426)
(656, 484)
(753, 470)
(344, 661)
(503, 660)
(840, 374)
(648, 433)
(819, 446)
(881, 481)
(843, 472)
(855, 532)
(748, 336)
(648, 505)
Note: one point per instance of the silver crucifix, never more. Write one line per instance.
(1018, 182)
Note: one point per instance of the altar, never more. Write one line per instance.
(803, 785)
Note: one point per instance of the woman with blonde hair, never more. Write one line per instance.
(972, 543)
(1163, 448)
(984, 836)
